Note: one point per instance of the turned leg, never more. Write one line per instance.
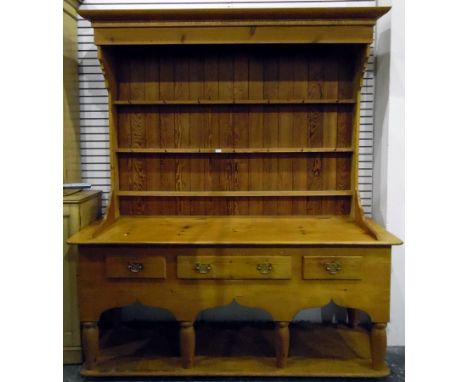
(378, 342)
(352, 318)
(187, 343)
(282, 343)
(90, 339)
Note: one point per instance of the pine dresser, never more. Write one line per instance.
(234, 142)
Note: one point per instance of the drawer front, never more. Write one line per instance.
(332, 267)
(234, 267)
(136, 266)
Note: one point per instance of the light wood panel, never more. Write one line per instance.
(197, 230)
(132, 266)
(232, 74)
(233, 101)
(332, 268)
(234, 267)
(282, 299)
(165, 203)
(228, 172)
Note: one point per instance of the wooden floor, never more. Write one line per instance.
(240, 350)
(230, 230)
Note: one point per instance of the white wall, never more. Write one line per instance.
(389, 140)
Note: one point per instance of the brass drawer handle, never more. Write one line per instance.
(202, 268)
(135, 267)
(264, 268)
(333, 268)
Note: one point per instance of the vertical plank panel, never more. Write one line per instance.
(153, 167)
(330, 124)
(315, 129)
(153, 136)
(196, 77)
(226, 75)
(222, 164)
(196, 161)
(241, 162)
(182, 131)
(182, 162)
(343, 171)
(167, 173)
(124, 132)
(314, 162)
(300, 91)
(181, 77)
(344, 161)
(241, 75)
(167, 165)
(195, 122)
(226, 91)
(329, 163)
(124, 172)
(256, 170)
(166, 77)
(344, 127)
(210, 130)
(255, 125)
(124, 79)
(125, 206)
(138, 133)
(315, 75)
(152, 78)
(137, 78)
(255, 75)
(270, 130)
(240, 131)
(124, 162)
(345, 72)
(286, 131)
(211, 84)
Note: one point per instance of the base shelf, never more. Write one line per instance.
(241, 350)
(235, 366)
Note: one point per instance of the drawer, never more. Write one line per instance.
(234, 267)
(135, 266)
(332, 267)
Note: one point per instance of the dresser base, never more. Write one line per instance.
(241, 350)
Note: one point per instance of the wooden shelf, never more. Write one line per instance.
(204, 230)
(234, 102)
(242, 150)
(235, 193)
(348, 351)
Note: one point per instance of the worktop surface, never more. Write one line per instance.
(233, 230)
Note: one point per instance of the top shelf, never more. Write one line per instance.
(234, 102)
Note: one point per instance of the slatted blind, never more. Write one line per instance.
(94, 124)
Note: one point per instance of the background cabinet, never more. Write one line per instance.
(78, 211)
